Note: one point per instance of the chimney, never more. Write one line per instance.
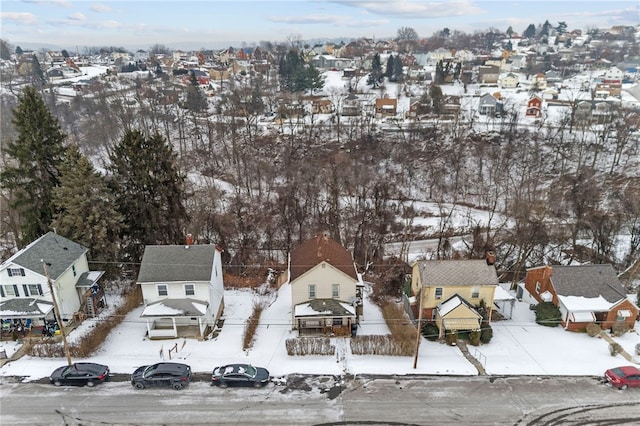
(188, 240)
(490, 258)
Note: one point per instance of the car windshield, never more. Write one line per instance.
(618, 372)
(248, 370)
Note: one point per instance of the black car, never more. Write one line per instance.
(239, 375)
(80, 374)
(171, 374)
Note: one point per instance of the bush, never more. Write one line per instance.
(486, 333)
(379, 345)
(619, 329)
(252, 326)
(430, 331)
(452, 338)
(593, 329)
(615, 348)
(474, 337)
(548, 314)
(310, 346)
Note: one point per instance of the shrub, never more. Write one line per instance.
(593, 329)
(430, 331)
(251, 326)
(402, 330)
(451, 337)
(310, 346)
(379, 345)
(619, 329)
(474, 337)
(548, 314)
(615, 348)
(486, 333)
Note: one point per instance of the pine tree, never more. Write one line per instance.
(530, 32)
(398, 69)
(32, 170)
(149, 192)
(86, 208)
(375, 77)
(388, 71)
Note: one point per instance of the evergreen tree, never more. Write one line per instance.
(530, 32)
(315, 80)
(544, 31)
(388, 72)
(149, 192)
(86, 209)
(32, 170)
(5, 50)
(398, 69)
(375, 77)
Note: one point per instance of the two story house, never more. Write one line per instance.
(455, 294)
(182, 289)
(584, 294)
(24, 288)
(326, 291)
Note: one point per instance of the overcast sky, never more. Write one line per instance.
(215, 24)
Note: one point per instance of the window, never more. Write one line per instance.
(312, 291)
(15, 272)
(10, 290)
(337, 321)
(335, 291)
(475, 292)
(32, 289)
(189, 290)
(162, 290)
(538, 287)
(438, 292)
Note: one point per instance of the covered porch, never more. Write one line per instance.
(172, 318)
(21, 317)
(324, 317)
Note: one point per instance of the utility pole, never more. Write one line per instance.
(415, 358)
(56, 312)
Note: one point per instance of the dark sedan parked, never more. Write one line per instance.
(80, 374)
(239, 375)
(171, 374)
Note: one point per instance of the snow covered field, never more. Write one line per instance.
(519, 347)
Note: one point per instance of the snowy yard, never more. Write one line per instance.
(519, 347)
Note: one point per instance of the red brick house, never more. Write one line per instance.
(534, 107)
(585, 294)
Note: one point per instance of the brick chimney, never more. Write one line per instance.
(490, 258)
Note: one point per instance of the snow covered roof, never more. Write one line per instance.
(324, 307)
(585, 304)
(175, 307)
(589, 281)
(25, 307)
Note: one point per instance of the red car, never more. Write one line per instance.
(623, 377)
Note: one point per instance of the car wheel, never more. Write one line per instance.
(178, 386)
(624, 387)
(138, 385)
(90, 383)
(224, 385)
(57, 383)
(257, 385)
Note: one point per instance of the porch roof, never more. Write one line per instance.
(175, 308)
(324, 307)
(25, 307)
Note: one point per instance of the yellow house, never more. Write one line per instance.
(436, 282)
(456, 314)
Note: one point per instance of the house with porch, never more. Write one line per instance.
(584, 294)
(25, 293)
(182, 289)
(326, 291)
(534, 107)
(455, 294)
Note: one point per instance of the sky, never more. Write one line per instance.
(218, 24)
(519, 347)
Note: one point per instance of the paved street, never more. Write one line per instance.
(327, 400)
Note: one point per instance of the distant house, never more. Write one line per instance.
(488, 74)
(585, 294)
(326, 291)
(351, 106)
(321, 106)
(182, 289)
(534, 107)
(509, 81)
(539, 81)
(24, 288)
(450, 292)
(487, 104)
(613, 75)
(386, 107)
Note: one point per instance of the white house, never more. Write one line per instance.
(182, 288)
(24, 290)
(326, 292)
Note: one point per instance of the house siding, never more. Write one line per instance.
(323, 275)
(540, 275)
(175, 290)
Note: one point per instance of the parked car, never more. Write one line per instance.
(623, 377)
(80, 374)
(170, 374)
(239, 375)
